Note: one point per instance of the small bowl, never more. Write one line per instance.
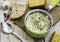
(34, 34)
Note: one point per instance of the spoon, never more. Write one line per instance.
(7, 28)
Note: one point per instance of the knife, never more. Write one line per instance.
(52, 4)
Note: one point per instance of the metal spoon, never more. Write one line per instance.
(7, 28)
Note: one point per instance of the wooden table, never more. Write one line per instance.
(20, 30)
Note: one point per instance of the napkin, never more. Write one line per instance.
(55, 28)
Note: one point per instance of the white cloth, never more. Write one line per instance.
(56, 28)
(1, 16)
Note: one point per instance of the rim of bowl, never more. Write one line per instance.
(41, 10)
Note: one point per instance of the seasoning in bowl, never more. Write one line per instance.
(37, 24)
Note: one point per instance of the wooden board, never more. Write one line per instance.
(55, 13)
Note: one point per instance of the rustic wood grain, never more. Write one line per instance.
(55, 13)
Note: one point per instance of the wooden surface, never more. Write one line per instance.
(19, 28)
(55, 13)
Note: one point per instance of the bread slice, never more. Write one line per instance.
(35, 3)
(56, 37)
(18, 10)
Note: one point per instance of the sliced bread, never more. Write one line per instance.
(56, 37)
(18, 10)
